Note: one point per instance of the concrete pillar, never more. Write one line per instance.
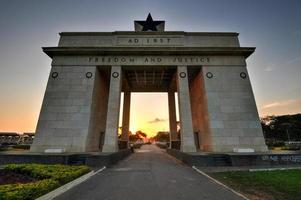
(199, 111)
(111, 133)
(126, 116)
(187, 137)
(172, 117)
(99, 109)
(64, 121)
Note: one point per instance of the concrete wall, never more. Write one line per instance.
(232, 112)
(65, 114)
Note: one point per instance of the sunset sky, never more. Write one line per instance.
(273, 27)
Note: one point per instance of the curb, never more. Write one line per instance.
(273, 169)
(219, 183)
(68, 186)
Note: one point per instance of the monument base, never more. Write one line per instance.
(237, 159)
(94, 159)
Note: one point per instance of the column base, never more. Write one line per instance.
(175, 144)
(109, 149)
(230, 148)
(123, 144)
(188, 148)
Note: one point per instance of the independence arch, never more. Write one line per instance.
(80, 110)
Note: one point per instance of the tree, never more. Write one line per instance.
(282, 128)
(162, 136)
(141, 134)
(138, 135)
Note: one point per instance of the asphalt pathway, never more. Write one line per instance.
(152, 174)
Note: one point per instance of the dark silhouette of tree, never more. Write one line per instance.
(141, 134)
(282, 128)
(138, 135)
(162, 136)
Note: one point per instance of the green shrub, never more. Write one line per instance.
(27, 191)
(48, 178)
(61, 173)
(21, 146)
(4, 148)
(290, 148)
(273, 143)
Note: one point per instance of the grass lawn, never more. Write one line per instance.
(277, 185)
(15, 148)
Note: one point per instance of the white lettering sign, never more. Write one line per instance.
(111, 60)
(149, 41)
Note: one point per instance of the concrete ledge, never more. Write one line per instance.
(204, 160)
(243, 150)
(147, 51)
(68, 186)
(54, 151)
(148, 33)
(90, 159)
(237, 159)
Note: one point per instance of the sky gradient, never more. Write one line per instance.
(273, 27)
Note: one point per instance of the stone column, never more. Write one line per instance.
(233, 121)
(64, 121)
(111, 133)
(187, 138)
(126, 116)
(172, 117)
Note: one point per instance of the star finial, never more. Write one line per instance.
(149, 24)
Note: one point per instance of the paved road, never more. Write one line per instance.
(149, 174)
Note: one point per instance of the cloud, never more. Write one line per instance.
(279, 103)
(289, 106)
(156, 120)
(269, 68)
(272, 67)
(294, 60)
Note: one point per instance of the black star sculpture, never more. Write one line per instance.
(149, 25)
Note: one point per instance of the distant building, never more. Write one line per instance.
(27, 138)
(8, 134)
(13, 138)
(8, 138)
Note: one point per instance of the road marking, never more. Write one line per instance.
(123, 169)
(219, 183)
